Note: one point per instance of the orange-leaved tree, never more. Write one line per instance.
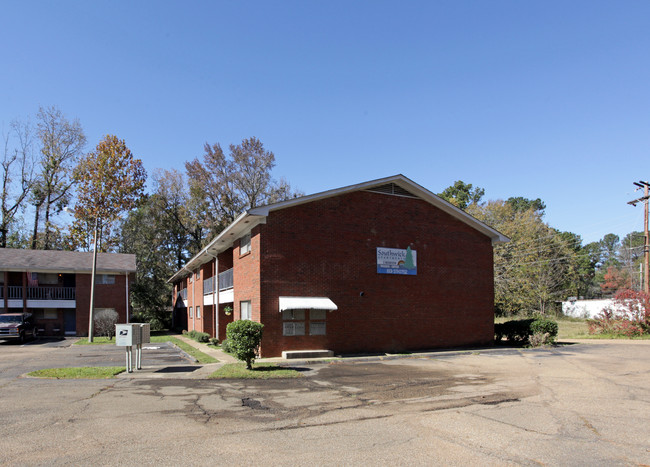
(110, 181)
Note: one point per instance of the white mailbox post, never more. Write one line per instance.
(144, 332)
(128, 335)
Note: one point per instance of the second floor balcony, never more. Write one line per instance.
(39, 293)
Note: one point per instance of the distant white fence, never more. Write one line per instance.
(586, 308)
(591, 308)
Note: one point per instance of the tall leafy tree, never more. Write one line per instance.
(62, 143)
(16, 177)
(462, 194)
(537, 267)
(519, 203)
(223, 186)
(145, 234)
(110, 181)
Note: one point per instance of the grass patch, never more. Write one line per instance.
(187, 348)
(573, 328)
(102, 340)
(87, 372)
(576, 328)
(259, 371)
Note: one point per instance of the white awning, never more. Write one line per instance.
(306, 303)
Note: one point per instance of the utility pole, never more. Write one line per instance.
(646, 246)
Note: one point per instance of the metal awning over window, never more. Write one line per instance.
(307, 303)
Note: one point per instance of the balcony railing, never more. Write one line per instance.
(226, 280)
(208, 286)
(51, 293)
(15, 292)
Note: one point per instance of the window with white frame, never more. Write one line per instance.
(317, 322)
(245, 244)
(198, 312)
(293, 323)
(105, 279)
(191, 315)
(245, 309)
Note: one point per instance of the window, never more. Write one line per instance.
(47, 313)
(293, 323)
(198, 274)
(45, 278)
(245, 309)
(105, 279)
(245, 244)
(317, 322)
(191, 315)
(198, 312)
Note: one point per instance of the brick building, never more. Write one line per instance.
(55, 287)
(384, 265)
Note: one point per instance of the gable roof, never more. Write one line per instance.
(12, 259)
(397, 185)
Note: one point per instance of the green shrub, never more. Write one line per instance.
(519, 331)
(214, 341)
(198, 336)
(515, 331)
(545, 326)
(245, 337)
(202, 337)
(225, 346)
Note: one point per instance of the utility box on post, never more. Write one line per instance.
(145, 332)
(127, 335)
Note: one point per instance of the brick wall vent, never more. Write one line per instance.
(392, 189)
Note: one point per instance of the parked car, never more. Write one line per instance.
(17, 326)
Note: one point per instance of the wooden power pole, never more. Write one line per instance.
(646, 245)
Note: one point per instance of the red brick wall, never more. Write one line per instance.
(246, 276)
(328, 248)
(106, 296)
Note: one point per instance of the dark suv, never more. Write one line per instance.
(17, 326)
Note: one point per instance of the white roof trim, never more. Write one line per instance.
(307, 303)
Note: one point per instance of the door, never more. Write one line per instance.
(70, 322)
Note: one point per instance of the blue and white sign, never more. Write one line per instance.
(397, 261)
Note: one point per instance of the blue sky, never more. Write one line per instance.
(547, 99)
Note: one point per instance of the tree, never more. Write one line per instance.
(180, 214)
(538, 267)
(224, 186)
(62, 143)
(244, 338)
(16, 176)
(162, 233)
(105, 321)
(521, 204)
(610, 245)
(462, 194)
(145, 234)
(110, 181)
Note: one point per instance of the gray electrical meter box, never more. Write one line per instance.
(127, 335)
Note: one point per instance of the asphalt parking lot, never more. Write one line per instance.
(582, 404)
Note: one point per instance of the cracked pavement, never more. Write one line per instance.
(579, 404)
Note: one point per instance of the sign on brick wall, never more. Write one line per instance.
(397, 261)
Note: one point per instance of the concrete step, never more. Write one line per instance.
(292, 354)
